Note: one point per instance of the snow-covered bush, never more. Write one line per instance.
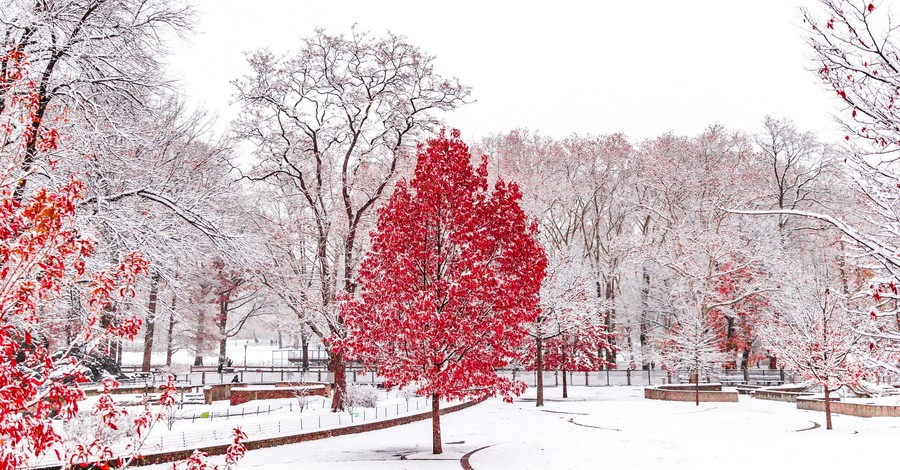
(357, 395)
(87, 426)
(409, 391)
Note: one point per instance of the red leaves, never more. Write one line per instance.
(236, 449)
(41, 252)
(451, 281)
(870, 7)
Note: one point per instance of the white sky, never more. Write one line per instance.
(639, 67)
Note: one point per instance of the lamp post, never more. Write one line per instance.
(245, 354)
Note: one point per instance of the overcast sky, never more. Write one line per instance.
(638, 67)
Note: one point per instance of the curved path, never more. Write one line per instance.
(814, 426)
(464, 461)
(572, 420)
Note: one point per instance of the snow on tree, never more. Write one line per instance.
(692, 344)
(88, 57)
(149, 168)
(589, 212)
(450, 284)
(715, 264)
(815, 334)
(333, 125)
(856, 46)
(41, 249)
(567, 334)
(801, 175)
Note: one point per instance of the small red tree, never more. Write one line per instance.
(578, 349)
(450, 284)
(568, 334)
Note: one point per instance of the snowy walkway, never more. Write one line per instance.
(612, 428)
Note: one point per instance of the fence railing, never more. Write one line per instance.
(601, 378)
(161, 438)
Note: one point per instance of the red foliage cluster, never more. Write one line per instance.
(451, 282)
(735, 324)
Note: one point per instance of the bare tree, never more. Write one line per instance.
(798, 162)
(333, 125)
(815, 334)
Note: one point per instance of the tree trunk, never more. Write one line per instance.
(697, 391)
(645, 318)
(150, 324)
(200, 336)
(304, 354)
(565, 386)
(610, 319)
(436, 424)
(340, 381)
(279, 340)
(745, 364)
(827, 409)
(539, 368)
(222, 323)
(170, 342)
(117, 348)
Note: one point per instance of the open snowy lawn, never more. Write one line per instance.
(613, 428)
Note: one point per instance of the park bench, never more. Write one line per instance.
(732, 380)
(767, 379)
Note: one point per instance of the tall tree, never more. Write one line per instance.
(450, 284)
(332, 124)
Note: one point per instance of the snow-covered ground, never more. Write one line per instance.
(608, 427)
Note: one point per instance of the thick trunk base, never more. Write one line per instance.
(436, 447)
(340, 382)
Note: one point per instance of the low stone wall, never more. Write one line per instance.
(687, 392)
(219, 392)
(241, 395)
(704, 387)
(853, 409)
(778, 395)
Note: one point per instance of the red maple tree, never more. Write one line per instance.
(450, 284)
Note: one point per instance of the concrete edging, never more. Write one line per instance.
(778, 395)
(862, 410)
(708, 393)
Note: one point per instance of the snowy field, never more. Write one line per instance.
(610, 427)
